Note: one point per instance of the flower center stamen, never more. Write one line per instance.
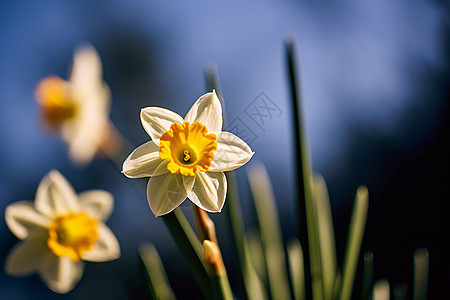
(54, 96)
(72, 234)
(188, 148)
(187, 155)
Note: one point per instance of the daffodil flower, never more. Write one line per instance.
(79, 107)
(59, 231)
(186, 157)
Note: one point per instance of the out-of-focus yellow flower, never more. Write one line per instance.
(186, 157)
(79, 107)
(59, 231)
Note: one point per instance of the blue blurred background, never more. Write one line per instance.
(375, 81)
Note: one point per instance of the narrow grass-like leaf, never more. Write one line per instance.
(255, 286)
(221, 287)
(367, 275)
(156, 275)
(257, 258)
(421, 262)
(400, 291)
(355, 235)
(381, 290)
(296, 268)
(269, 224)
(190, 246)
(232, 204)
(326, 236)
(337, 285)
(308, 231)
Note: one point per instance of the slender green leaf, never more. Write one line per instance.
(421, 262)
(255, 286)
(157, 278)
(269, 224)
(381, 290)
(190, 247)
(297, 268)
(257, 258)
(356, 232)
(367, 275)
(326, 236)
(308, 231)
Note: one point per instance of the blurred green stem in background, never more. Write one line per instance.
(421, 262)
(308, 228)
(297, 268)
(269, 224)
(367, 275)
(156, 276)
(355, 235)
(326, 236)
(381, 290)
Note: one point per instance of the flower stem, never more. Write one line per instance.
(205, 226)
(190, 246)
(212, 254)
(218, 274)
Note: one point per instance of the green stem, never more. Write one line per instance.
(356, 232)
(367, 275)
(221, 287)
(381, 290)
(269, 224)
(421, 262)
(326, 237)
(156, 275)
(296, 267)
(190, 247)
(308, 231)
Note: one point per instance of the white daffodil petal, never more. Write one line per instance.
(60, 273)
(209, 191)
(161, 169)
(107, 247)
(143, 161)
(55, 195)
(157, 120)
(231, 153)
(208, 110)
(84, 140)
(97, 203)
(26, 257)
(87, 66)
(165, 193)
(188, 182)
(22, 218)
